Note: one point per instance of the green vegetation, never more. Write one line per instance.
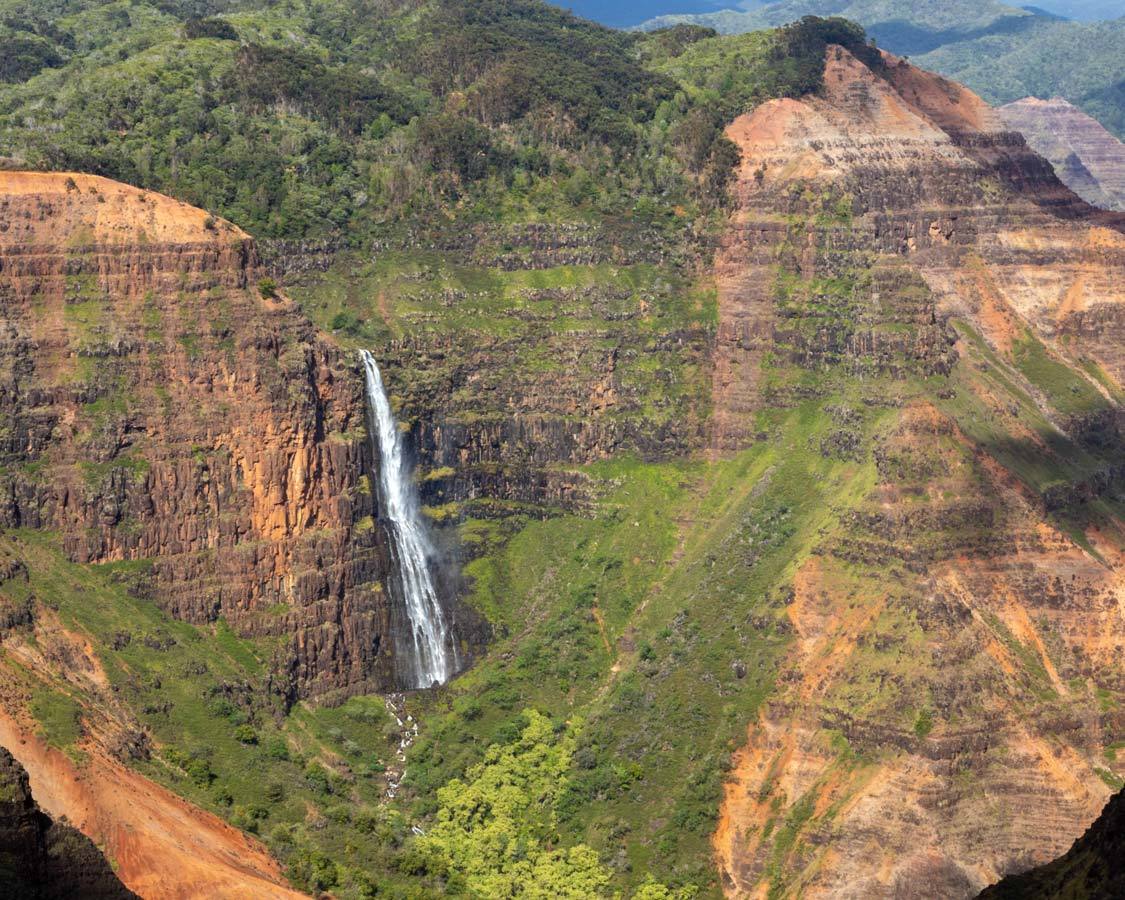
(1037, 391)
(409, 113)
(1002, 51)
(1068, 392)
(308, 781)
(506, 180)
(59, 716)
(729, 76)
(492, 832)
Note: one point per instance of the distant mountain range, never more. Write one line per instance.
(1002, 52)
(626, 14)
(1084, 10)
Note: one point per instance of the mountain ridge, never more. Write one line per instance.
(766, 411)
(1074, 142)
(1002, 52)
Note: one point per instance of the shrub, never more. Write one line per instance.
(317, 779)
(218, 29)
(245, 734)
(276, 748)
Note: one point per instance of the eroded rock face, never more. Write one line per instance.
(158, 405)
(516, 353)
(936, 724)
(41, 859)
(1094, 867)
(1087, 158)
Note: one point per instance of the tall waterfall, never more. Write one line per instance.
(431, 647)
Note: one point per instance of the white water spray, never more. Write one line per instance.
(432, 651)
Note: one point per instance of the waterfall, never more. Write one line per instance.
(431, 648)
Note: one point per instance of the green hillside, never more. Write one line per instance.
(302, 120)
(359, 121)
(1003, 52)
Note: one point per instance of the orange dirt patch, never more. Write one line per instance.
(1074, 300)
(163, 847)
(945, 102)
(72, 208)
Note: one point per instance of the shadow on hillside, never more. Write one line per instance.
(906, 38)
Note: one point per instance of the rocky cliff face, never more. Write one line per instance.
(158, 405)
(41, 859)
(942, 717)
(1087, 158)
(517, 352)
(1094, 867)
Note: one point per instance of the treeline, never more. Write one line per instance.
(359, 116)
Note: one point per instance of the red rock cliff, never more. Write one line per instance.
(158, 406)
(938, 722)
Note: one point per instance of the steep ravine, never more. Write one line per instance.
(878, 471)
(1089, 159)
(179, 445)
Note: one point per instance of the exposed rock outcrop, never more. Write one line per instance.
(1094, 867)
(936, 724)
(158, 404)
(41, 859)
(1088, 159)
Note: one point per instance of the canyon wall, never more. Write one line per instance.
(1093, 867)
(948, 710)
(1088, 159)
(160, 405)
(516, 353)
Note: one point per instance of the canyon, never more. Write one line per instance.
(805, 527)
(950, 561)
(161, 405)
(1087, 158)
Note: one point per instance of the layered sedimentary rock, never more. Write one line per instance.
(944, 713)
(1094, 867)
(517, 352)
(1087, 158)
(158, 405)
(41, 859)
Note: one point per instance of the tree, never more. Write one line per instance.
(497, 828)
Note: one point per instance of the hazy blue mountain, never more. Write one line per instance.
(624, 14)
(1083, 10)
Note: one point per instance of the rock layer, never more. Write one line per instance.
(159, 405)
(1094, 867)
(936, 724)
(1087, 158)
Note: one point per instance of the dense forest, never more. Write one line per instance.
(366, 117)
